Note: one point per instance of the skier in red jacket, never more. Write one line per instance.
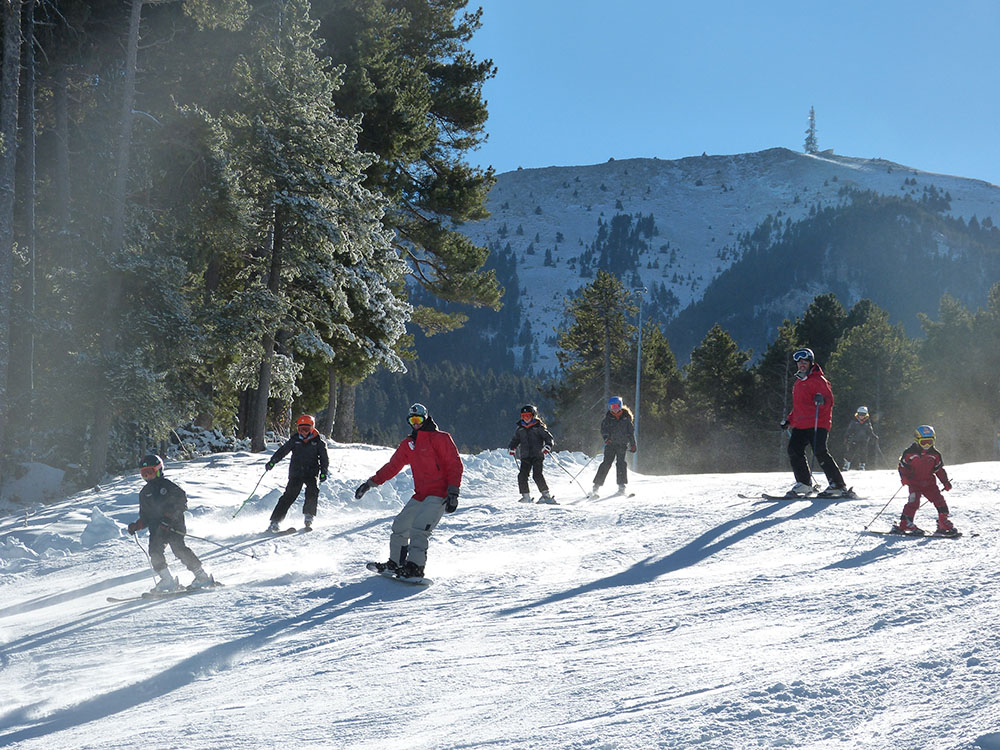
(437, 475)
(810, 420)
(918, 467)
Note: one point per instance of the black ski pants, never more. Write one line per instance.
(534, 466)
(291, 494)
(159, 538)
(797, 444)
(613, 453)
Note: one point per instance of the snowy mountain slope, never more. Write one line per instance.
(683, 617)
(700, 205)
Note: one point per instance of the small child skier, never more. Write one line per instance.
(860, 434)
(536, 443)
(618, 432)
(918, 467)
(161, 510)
(309, 460)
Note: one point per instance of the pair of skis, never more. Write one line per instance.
(150, 595)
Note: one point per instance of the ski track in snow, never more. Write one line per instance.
(683, 617)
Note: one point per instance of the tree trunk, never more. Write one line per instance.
(116, 243)
(258, 419)
(63, 182)
(344, 427)
(10, 15)
(607, 362)
(325, 423)
(22, 369)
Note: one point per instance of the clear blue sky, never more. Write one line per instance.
(579, 81)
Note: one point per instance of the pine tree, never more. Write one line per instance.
(811, 145)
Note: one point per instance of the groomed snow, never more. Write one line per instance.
(683, 617)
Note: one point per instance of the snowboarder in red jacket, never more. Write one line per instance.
(437, 476)
(810, 420)
(919, 467)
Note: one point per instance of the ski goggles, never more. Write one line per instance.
(800, 355)
(415, 420)
(149, 472)
(926, 442)
(305, 429)
(527, 416)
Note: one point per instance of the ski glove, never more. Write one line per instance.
(947, 486)
(784, 424)
(451, 502)
(513, 453)
(547, 450)
(135, 526)
(322, 476)
(818, 399)
(269, 465)
(365, 486)
(633, 448)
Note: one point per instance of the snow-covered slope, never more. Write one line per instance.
(700, 206)
(683, 617)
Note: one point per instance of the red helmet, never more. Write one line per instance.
(306, 419)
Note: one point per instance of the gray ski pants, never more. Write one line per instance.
(412, 528)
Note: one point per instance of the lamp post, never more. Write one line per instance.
(638, 372)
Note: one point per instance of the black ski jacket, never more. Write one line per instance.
(308, 455)
(618, 430)
(532, 438)
(162, 501)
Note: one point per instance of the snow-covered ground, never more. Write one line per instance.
(684, 617)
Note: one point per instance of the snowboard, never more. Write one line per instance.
(373, 567)
(147, 595)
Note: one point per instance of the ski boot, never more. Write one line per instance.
(847, 466)
(800, 489)
(945, 527)
(307, 520)
(834, 490)
(202, 580)
(906, 526)
(525, 498)
(273, 528)
(166, 583)
(621, 489)
(546, 499)
(594, 493)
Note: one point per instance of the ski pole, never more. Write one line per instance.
(556, 462)
(210, 541)
(250, 496)
(584, 467)
(877, 515)
(148, 558)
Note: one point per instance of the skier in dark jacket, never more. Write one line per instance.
(618, 431)
(437, 471)
(810, 420)
(308, 461)
(918, 467)
(860, 434)
(535, 442)
(161, 510)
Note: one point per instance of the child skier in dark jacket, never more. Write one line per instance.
(161, 510)
(618, 431)
(919, 465)
(309, 459)
(535, 442)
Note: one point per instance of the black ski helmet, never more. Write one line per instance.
(529, 408)
(152, 461)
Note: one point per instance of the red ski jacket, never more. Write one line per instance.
(918, 467)
(803, 414)
(434, 459)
